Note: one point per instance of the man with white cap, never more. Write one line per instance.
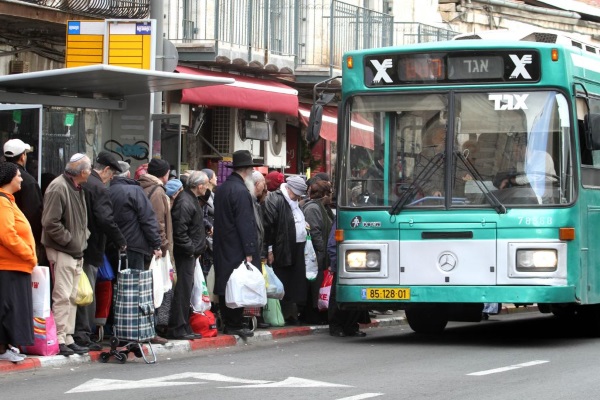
(29, 198)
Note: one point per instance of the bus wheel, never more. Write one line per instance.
(427, 318)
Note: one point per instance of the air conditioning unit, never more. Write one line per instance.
(240, 141)
(275, 148)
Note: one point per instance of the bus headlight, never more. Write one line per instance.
(363, 260)
(539, 260)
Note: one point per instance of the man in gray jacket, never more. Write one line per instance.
(65, 235)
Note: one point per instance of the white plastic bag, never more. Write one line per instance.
(246, 287)
(310, 260)
(165, 263)
(40, 290)
(274, 286)
(200, 300)
(158, 292)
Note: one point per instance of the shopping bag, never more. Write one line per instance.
(134, 306)
(85, 293)
(164, 311)
(157, 282)
(45, 341)
(200, 299)
(40, 290)
(204, 323)
(246, 287)
(105, 272)
(167, 271)
(274, 286)
(272, 313)
(325, 291)
(310, 260)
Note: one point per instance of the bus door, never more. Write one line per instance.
(24, 121)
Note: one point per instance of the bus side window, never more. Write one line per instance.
(590, 159)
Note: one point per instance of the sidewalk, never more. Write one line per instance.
(175, 347)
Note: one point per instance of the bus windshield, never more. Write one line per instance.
(459, 149)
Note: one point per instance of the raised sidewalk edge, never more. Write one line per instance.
(174, 347)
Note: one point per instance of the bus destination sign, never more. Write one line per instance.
(457, 67)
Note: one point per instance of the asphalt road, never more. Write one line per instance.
(519, 356)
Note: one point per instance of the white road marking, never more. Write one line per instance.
(510, 367)
(291, 382)
(362, 396)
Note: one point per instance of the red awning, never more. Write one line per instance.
(361, 132)
(246, 93)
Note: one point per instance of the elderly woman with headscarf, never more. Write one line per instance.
(285, 237)
(17, 259)
(319, 217)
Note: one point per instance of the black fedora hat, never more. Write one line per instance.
(243, 158)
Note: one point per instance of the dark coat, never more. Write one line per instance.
(189, 235)
(235, 233)
(317, 217)
(101, 223)
(134, 215)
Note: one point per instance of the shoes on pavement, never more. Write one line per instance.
(356, 334)
(292, 322)
(337, 333)
(65, 350)
(158, 340)
(16, 351)
(91, 346)
(77, 349)
(263, 325)
(11, 356)
(242, 332)
(189, 336)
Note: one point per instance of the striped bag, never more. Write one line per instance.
(134, 306)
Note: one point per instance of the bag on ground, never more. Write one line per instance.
(272, 313)
(246, 287)
(200, 299)
(40, 289)
(204, 323)
(325, 291)
(274, 286)
(85, 293)
(157, 282)
(310, 260)
(45, 337)
(164, 311)
(134, 306)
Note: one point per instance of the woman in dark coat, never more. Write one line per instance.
(285, 237)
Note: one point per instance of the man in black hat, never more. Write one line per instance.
(235, 236)
(101, 225)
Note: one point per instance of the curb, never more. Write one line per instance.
(174, 347)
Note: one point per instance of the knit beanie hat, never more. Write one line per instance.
(8, 171)
(209, 172)
(296, 185)
(158, 167)
(173, 186)
(274, 180)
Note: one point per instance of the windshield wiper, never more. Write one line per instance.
(430, 168)
(490, 197)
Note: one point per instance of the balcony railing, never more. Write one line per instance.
(100, 8)
(414, 32)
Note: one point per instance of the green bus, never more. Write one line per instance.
(468, 172)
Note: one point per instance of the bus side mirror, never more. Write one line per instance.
(314, 123)
(591, 125)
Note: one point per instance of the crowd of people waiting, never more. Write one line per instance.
(94, 208)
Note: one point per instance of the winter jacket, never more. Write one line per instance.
(101, 223)
(162, 209)
(64, 219)
(30, 202)
(189, 235)
(17, 246)
(318, 219)
(134, 215)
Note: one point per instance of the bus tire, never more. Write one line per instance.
(427, 318)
